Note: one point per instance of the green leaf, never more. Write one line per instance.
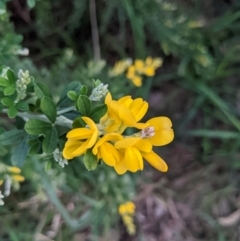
(83, 90)
(7, 101)
(12, 137)
(9, 90)
(12, 112)
(20, 152)
(64, 101)
(72, 95)
(78, 122)
(90, 160)
(50, 141)
(34, 148)
(21, 105)
(37, 127)
(48, 108)
(4, 82)
(42, 90)
(98, 112)
(84, 105)
(11, 76)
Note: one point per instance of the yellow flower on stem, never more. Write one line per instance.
(123, 113)
(106, 150)
(80, 139)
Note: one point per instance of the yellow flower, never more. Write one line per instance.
(106, 150)
(134, 149)
(123, 113)
(120, 67)
(13, 173)
(80, 139)
(127, 211)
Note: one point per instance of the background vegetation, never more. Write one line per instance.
(197, 87)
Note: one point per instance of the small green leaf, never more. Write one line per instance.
(50, 141)
(42, 90)
(7, 101)
(90, 160)
(9, 90)
(12, 112)
(78, 122)
(4, 82)
(21, 105)
(72, 95)
(98, 112)
(84, 105)
(11, 76)
(48, 165)
(20, 152)
(64, 101)
(12, 137)
(37, 127)
(34, 148)
(48, 108)
(83, 90)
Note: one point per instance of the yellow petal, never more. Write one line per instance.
(90, 123)
(70, 147)
(138, 108)
(15, 170)
(17, 178)
(92, 140)
(126, 116)
(156, 161)
(162, 137)
(149, 71)
(141, 125)
(109, 154)
(79, 134)
(133, 159)
(137, 80)
(81, 150)
(124, 99)
(160, 123)
(108, 98)
(105, 138)
(127, 142)
(120, 168)
(1, 182)
(139, 64)
(149, 61)
(143, 145)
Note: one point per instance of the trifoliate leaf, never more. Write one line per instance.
(9, 90)
(48, 108)
(64, 101)
(84, 105)
(19, 154)
(12, 137)
(42, 90)
(4, 82)
(50, 141)
(12, 112)
(98, 112)
(7, 101)
(11, 76)
(37, 127)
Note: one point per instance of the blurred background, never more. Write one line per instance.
(59, 41)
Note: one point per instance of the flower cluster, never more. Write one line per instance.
(11, 177)
(22, 82)
(106, 140)
(127, 211)
(139, 68)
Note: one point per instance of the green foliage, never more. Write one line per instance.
(90, 160)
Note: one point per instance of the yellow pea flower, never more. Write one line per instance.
(106, 150)
(80, 139)
(123, 113)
